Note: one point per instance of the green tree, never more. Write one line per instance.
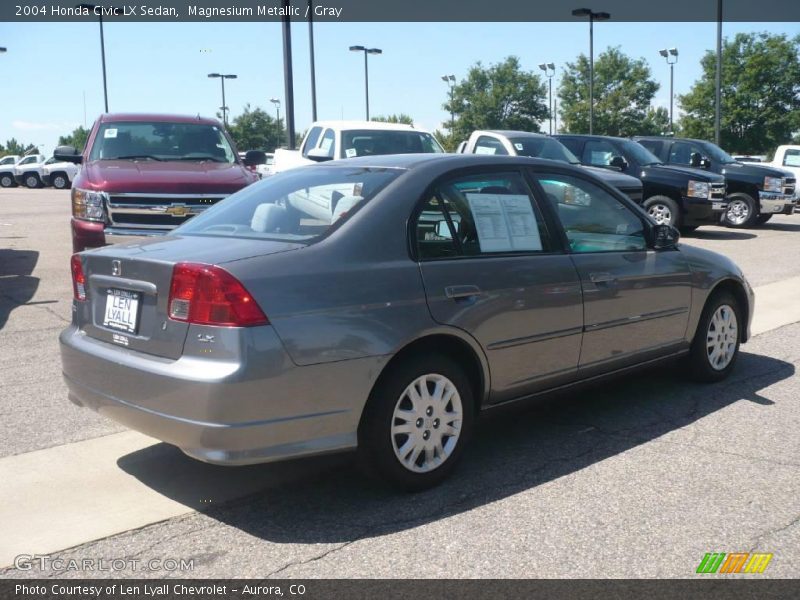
(15, 147)
(398, 118)
(623, 91)
(501, 96)
(448, 140)
(760, 94)
(255, 129)
(76, 139)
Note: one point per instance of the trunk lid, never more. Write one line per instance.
(128, 288)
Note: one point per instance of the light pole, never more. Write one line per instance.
(549, 70)
(222, 77)
(718, 77)
(673, 52)
(593, 16)
(102, 45)
(277, 104)
(450, 80)
(311, 56)
(366, 52)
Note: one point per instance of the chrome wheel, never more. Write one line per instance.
(6, 181)
(721, 338)
(59, 182)
(661, 213)
(32, 181)
(738, 212)
(426, 423)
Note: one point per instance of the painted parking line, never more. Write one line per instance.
(76, 493)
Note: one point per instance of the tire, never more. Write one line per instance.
(761, 219)
(742, 211)
(382, 442)
(32, 180)
(714, 334)
(663, 210)
(6, 180)
(59, 181)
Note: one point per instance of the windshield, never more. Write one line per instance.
(639, 153)
(378, 142)
(717, 154)
(161, 141)
(300, 205)
(542, 147)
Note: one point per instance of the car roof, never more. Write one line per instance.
(669, 137)
(450, 161)
(587, 136)
(511, 132)
(156, 117)
(376, 125)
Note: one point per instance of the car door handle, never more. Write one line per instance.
(602, 277)
(459, 292)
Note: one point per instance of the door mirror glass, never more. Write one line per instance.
(665, 236)
(618, 163)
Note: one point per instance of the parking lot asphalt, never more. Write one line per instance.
(637, 478)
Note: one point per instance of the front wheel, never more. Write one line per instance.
(417, 422)
(741, 211)
(716, 342)
(6, 180)
(663, 210)
(32, 180)
(60, 181)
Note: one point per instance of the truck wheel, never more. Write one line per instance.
(416, 422)
(6, 180)
(663, 210)
(32, 180)
(741, 211)
(59, 181)
(761, 219)
(716, 340)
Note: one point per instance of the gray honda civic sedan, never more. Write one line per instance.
(382, 303)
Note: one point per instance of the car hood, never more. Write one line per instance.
(179, 177)
(687, 172)
(754, 171)
(615, 178)
(209, 249)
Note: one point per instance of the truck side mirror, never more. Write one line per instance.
(68, 154)
(665, 236)
(618, 163)
(695, 160)
(318, 155)
(254, 157)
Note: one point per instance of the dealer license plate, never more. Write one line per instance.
(122, 310)
(717, 206)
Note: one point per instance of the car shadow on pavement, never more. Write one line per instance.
(325, 499)
(17, 286)
(718, 234)
(781, 226)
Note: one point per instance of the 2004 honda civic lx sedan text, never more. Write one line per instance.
(381, 303)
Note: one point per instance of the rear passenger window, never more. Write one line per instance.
(651, 145)
(311, 140)
(490, 145)
(480, 215)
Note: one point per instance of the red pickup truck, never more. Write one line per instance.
(145, 174)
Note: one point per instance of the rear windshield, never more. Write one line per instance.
(300, 205)
(543, 148)
(161, 141)
(373, 143)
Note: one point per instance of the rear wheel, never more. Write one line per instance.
(59, 181)
(663, 210)
(761, 219)
(32, 180)
(417, 422)
(716, 342)
(741, 211)
(6, 180)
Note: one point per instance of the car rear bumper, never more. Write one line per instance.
(252, 406)
(700, 211)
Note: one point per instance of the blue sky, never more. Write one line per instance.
(159, 67)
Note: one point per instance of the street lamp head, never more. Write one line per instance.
(2, 49)
(543, 66)
(551, 66)
(230, 76)
(374, 51)
(214, 75)
(357, 48)
(673, 51)
(581, 12)
(663, 53)
(601, 16)
(275, 101)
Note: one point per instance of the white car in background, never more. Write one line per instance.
(59, 174)
(7, 170)
(28, 170)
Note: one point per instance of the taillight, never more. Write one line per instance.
(208, 295)
(78, 278)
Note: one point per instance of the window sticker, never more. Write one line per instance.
(110, 133)
(519, 146)
(485, 150)
(350, 152)
(505, 223)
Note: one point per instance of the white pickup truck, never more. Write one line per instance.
(787, 158)
(329, 140)
(59, 174)
(28, 170)
(7, 170)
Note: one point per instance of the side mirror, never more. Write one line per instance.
(318, 155)
(665, 237)
(68, 154)
(618, 163)
(695, 160)
(255, 157)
